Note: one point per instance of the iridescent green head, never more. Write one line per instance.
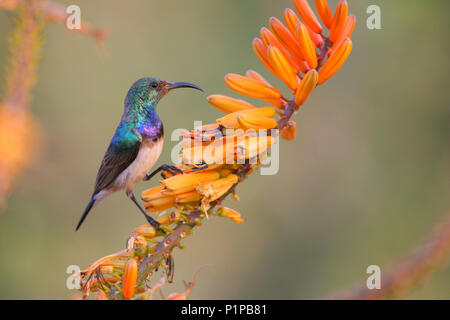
(148, 91)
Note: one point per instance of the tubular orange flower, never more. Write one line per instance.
(189, 181)
(153, 193)
(324, 12)
(347, 31)
(231, 120)
(308, 48)
(129, 279)
(289, 131)
(160, 204)
(187, 197)
(260, 50)
(231, 214)
(250, 87)
(256, 121)
(340, 17)
(291, 20)
(280, 102)
(252, 74)
(228, 104)
(307, 15)
(335, 61)
(251, 147)
(282, 67)
(307, 85)
(283, 34)
(269, 38)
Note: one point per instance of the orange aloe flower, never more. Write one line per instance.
(268, 38)
(260, 50)
(279, 102)
(188, 182)
(282, 67)
(250, 147)
(347, 31)
(285, 36)
(307, 85)
(129, 279)
(228, 104)
(231, 120)
(324, 12)
(250, 87)
(340, 17)
(160, 204)
(255, 121)
(307, 15)
(308, 48)
(291, 19)
(336, 60)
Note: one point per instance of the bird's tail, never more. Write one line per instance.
(85, 213)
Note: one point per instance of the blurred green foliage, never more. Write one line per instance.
(363, 183)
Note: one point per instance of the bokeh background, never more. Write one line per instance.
(363, 183)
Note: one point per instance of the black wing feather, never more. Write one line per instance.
(112, 166)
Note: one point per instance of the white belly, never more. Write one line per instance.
(136, 171)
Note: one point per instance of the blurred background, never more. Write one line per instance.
(363, 183)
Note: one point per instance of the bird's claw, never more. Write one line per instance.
(155, 224)
(173, 170)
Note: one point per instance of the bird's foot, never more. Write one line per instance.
(155, 224)
(198, 168)
(173, 170)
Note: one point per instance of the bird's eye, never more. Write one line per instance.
(154, 84)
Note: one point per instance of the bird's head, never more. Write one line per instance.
(151, 90)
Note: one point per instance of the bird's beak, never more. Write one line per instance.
(175, 85)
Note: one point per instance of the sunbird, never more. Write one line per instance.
(136, 144)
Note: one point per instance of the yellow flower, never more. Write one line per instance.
(190, 180)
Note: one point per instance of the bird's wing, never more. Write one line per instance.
(120, 154)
